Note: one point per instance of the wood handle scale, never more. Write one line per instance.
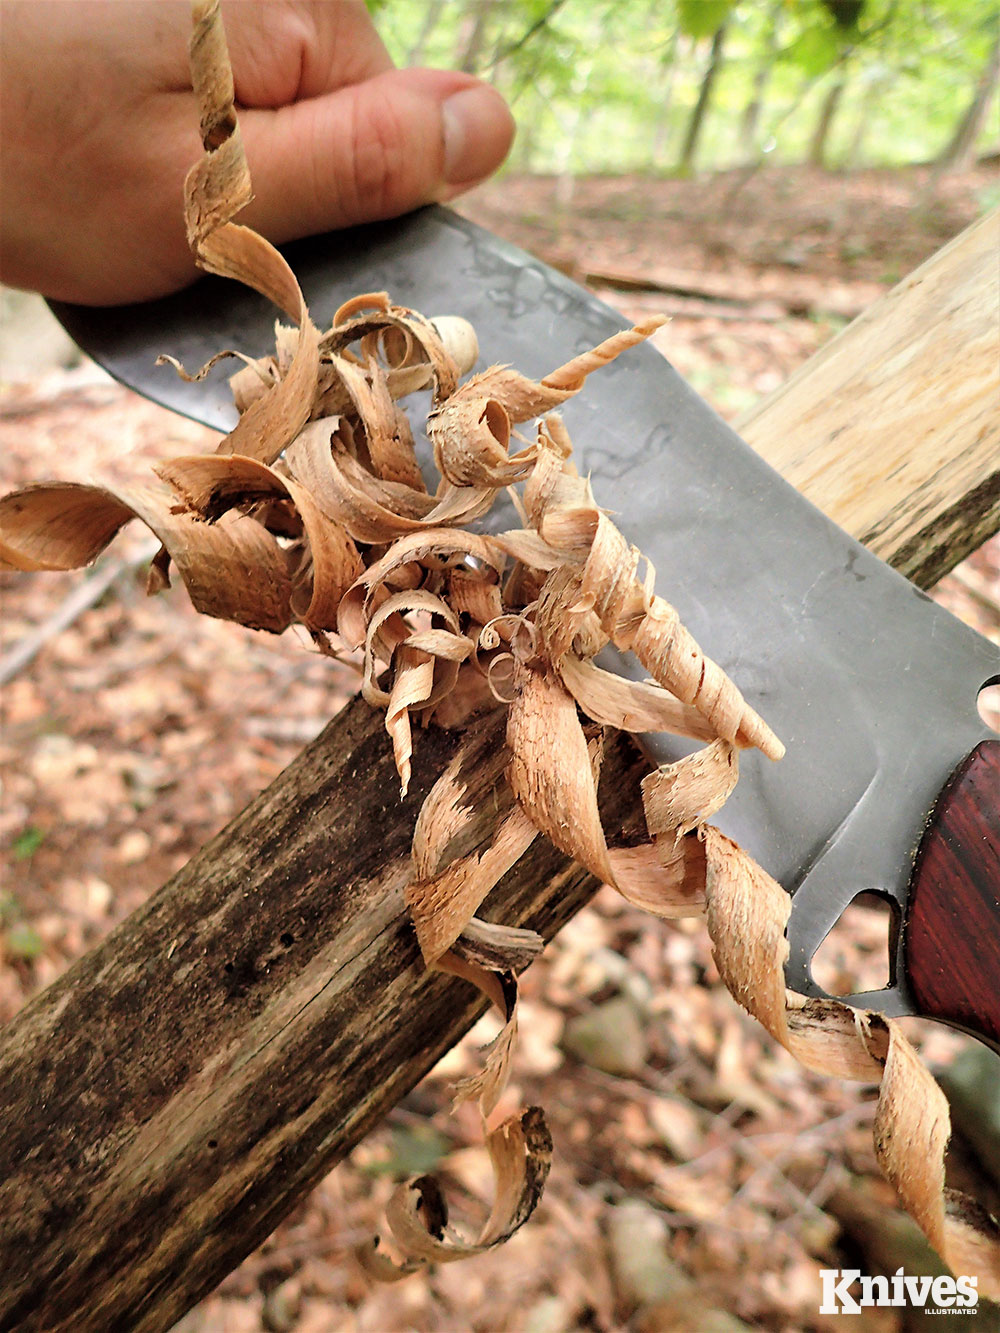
(951, 940)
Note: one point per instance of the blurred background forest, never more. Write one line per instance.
(664, 88)
(763, 171)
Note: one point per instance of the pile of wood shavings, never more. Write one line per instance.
(314, 510)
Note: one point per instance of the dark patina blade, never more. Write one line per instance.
(871, 686)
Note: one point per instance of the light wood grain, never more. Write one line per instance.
(893, 428)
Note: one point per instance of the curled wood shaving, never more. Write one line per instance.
(498, 983)
(442, 907)
(497, 947)
(315, 510)
(681, 796)
(65, 525)
(746, 913)
(214, 486)
(521, 1153)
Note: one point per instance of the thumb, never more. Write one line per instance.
(371, 150)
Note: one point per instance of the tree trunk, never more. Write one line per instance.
(525, 142)
(169, 1099)
(661, 126)
(697, 121)
(961, 148)
(855, 149)
(752, 110)
(762, 77)
(431, 16)
(473, 36)
(821, 134)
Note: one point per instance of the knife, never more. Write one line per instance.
(891, 781)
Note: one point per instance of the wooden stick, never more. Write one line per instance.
(173, 1094)
(169, 1100)
(893, 428)
(756, 299)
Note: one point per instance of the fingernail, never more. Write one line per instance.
(475, 121)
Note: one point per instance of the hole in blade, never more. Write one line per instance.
(989, 703)
(858, 952)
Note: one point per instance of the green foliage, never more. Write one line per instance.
(610, 85)
(18, 939)
(414, 1150)
(23, 942)
(815, 50)
(27, 843)
(702, 18)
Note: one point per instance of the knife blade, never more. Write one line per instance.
(871, 685)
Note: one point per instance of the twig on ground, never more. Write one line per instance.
(82, 598)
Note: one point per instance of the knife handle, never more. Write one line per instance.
(951, 939)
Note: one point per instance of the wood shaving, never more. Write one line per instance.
(315, 510)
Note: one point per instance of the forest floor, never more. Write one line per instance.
(701, 1177)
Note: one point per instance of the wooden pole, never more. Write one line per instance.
(169, 1099)
(172, 1095)
(893, 428)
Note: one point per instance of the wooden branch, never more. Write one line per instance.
(751, 298)
(173, 1094)
(179, 1089)
(86, 594)
(893, 428)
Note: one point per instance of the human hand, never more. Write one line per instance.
(100, 126)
